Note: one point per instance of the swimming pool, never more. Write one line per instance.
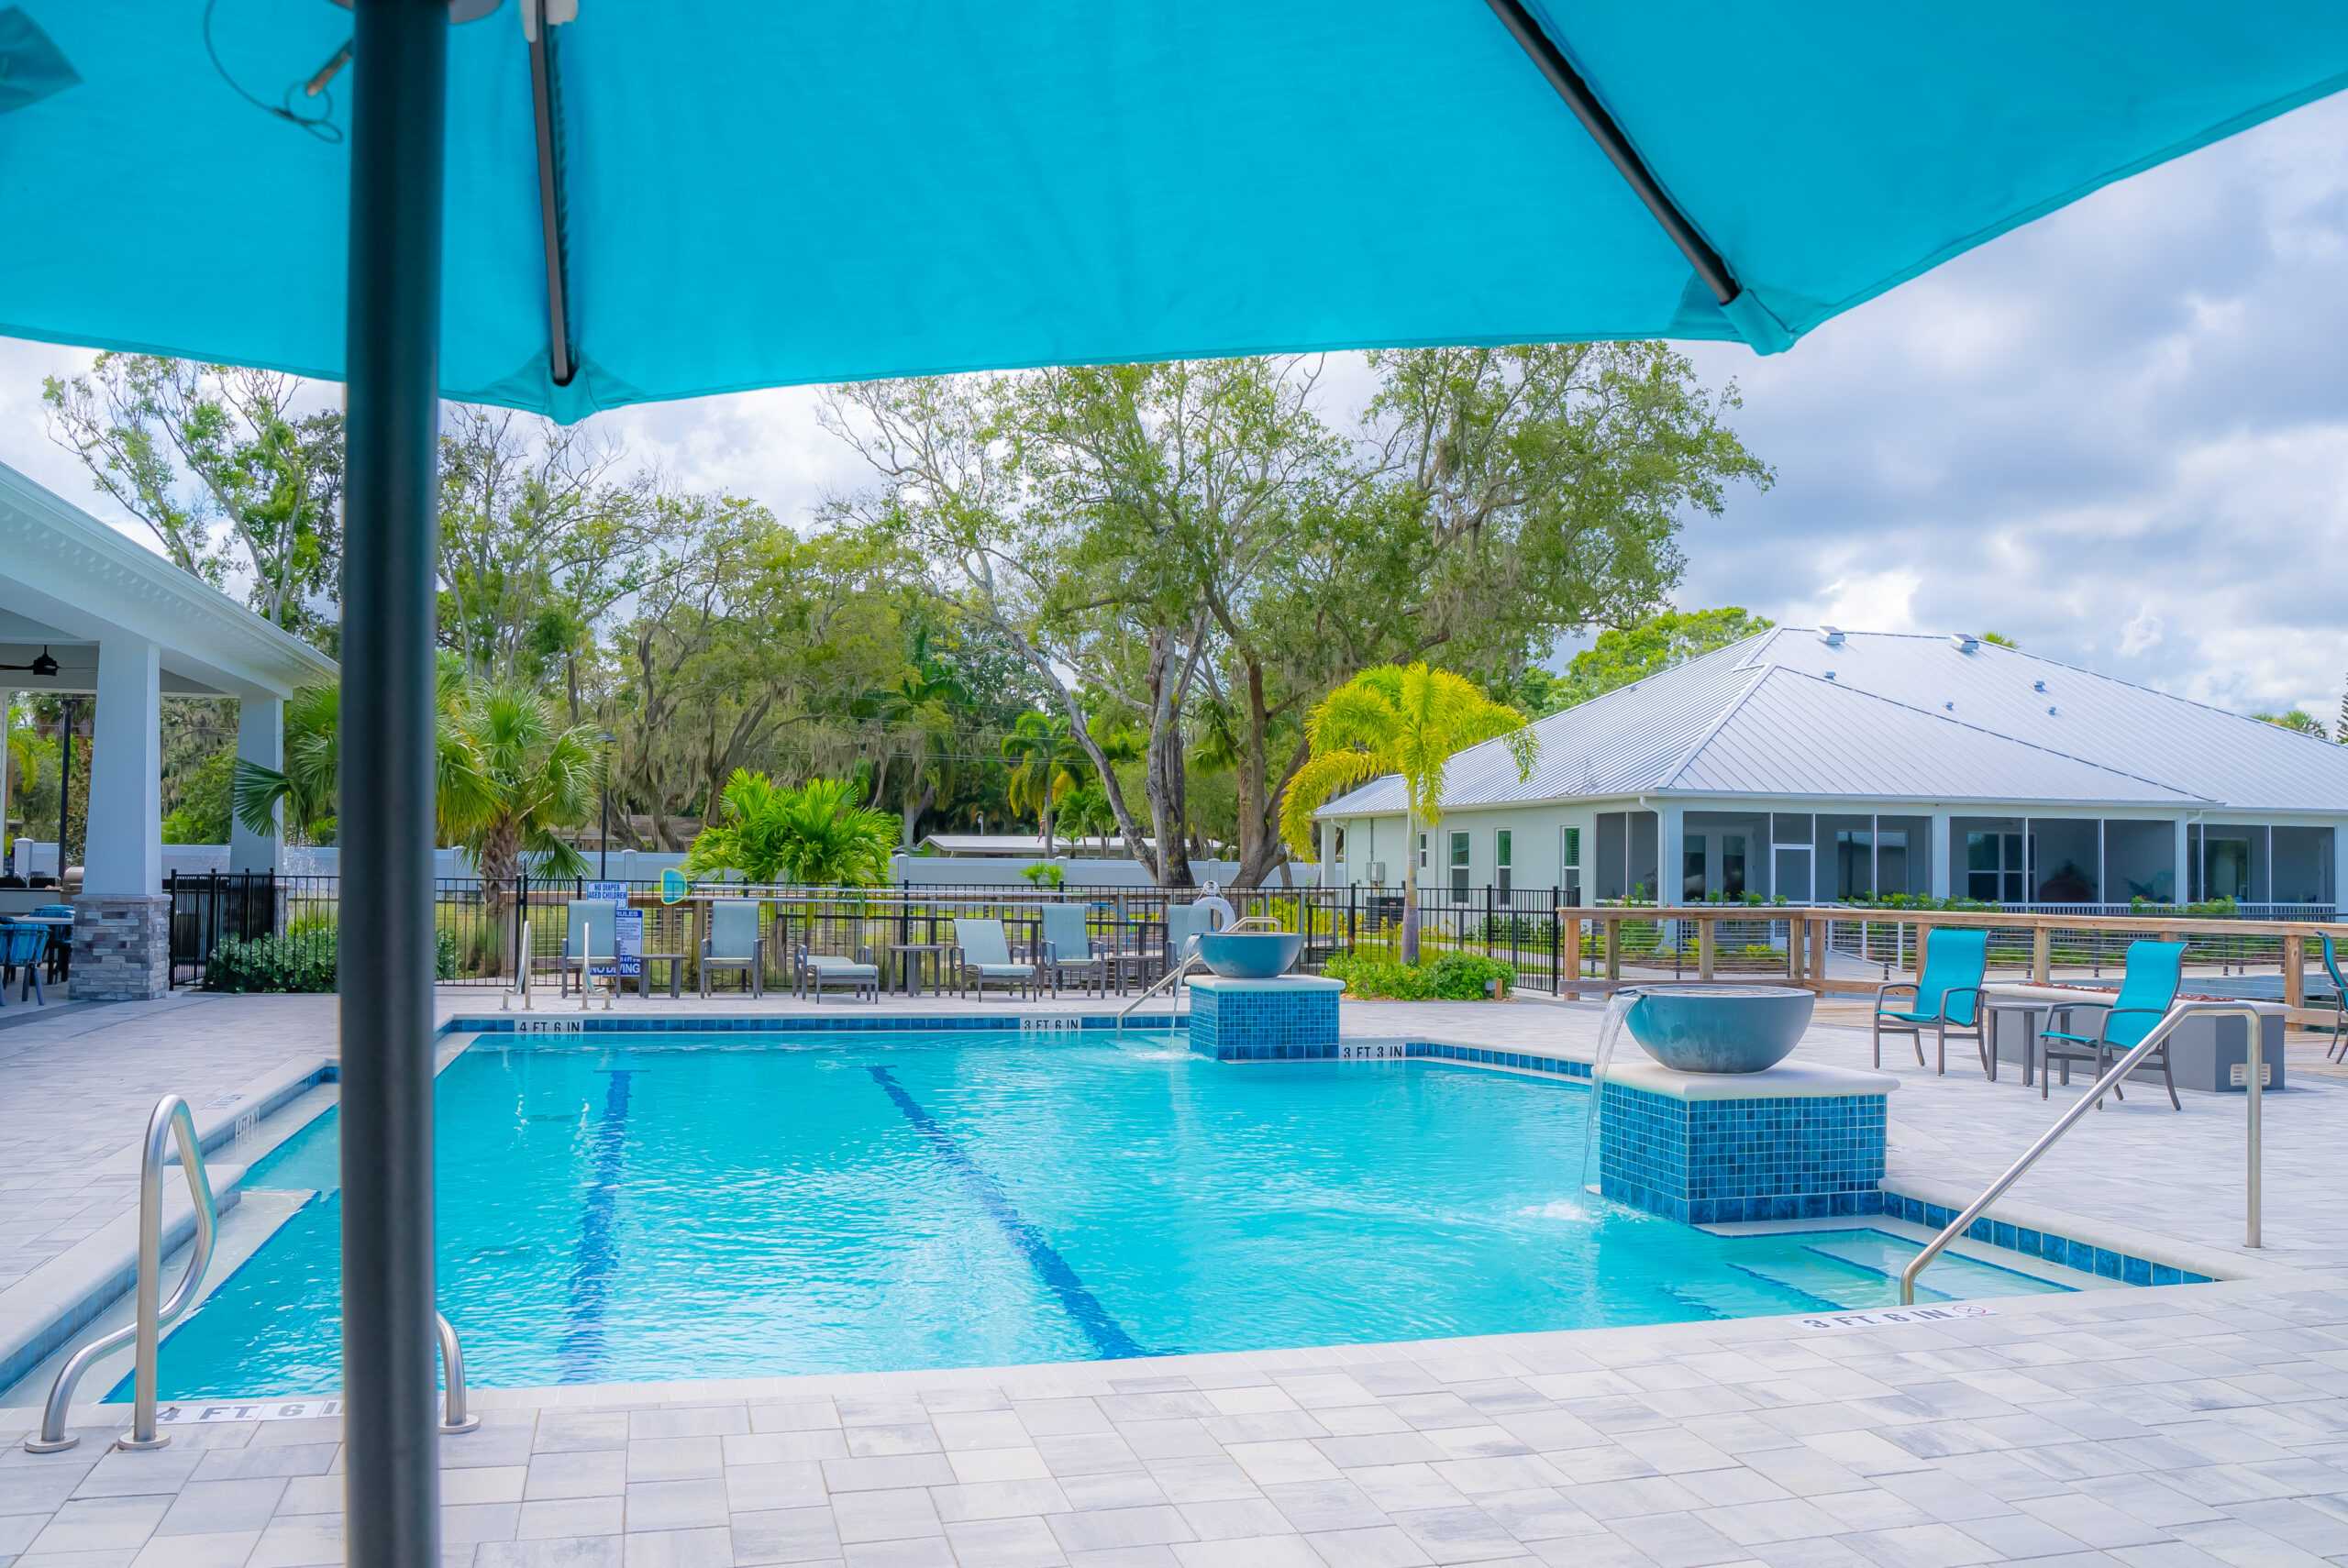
(670, 1206)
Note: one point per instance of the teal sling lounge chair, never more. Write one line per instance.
(986, 957)
(733, 943)
(1067, 949)
(587, 940)
(1945, 998)
(2155, 969)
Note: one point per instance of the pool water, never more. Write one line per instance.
(737, 1206)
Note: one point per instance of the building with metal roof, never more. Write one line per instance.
(86, 612)
(1820, 766)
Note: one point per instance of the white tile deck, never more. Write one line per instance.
(2189, 1425)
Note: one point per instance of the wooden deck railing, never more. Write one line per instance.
(1807, 942)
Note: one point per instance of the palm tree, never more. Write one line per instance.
(816, 835)
(1046, 763)
(508, 775)
(312, 775)
(1406, 720)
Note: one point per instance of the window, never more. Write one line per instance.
(1337, 846)
(1459, 868)
(1987, 853)
(1733, 865)
(2065, 860)
(1422, 852)
(1846, 864)
(1569, 865)
(1691, 860)
(1503, 858)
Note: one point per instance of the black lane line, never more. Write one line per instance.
(580, 1355)
(1108, 1336)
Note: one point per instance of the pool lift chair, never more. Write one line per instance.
(810, 972)
(733, 943)
(2154, 972)
(1944, 999)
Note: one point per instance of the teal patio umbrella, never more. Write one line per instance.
(625, 200)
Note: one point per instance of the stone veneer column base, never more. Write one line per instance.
(122, 947)
(1796, 1141)
(1290, 1019)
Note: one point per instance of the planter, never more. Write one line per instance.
(1720, 1029)
(1250, 955)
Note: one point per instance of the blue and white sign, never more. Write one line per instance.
(627, 941)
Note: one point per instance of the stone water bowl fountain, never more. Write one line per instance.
(1720, 1029)
(1250, 955)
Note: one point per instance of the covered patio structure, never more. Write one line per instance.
(126, 627)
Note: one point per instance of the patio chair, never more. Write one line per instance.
(2155, 970)
(986, 955)
(1945, 998)
(60, 937)
(810, 972)
(588, 939)
(2333, 1052)
(733, 943)
(23, 947)
(1068, 950)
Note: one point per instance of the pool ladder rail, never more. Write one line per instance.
(171, 1122)
(2253, 1076)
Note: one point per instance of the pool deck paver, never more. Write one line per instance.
(2187, 1425)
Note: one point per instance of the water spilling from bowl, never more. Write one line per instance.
(1618, 1009)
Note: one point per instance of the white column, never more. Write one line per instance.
(125, 841)
(261, 740)
(1670, 835)
(1943, 854)
(2182, 893)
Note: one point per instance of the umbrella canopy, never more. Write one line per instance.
(760, 194)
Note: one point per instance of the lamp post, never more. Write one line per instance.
(603, 835)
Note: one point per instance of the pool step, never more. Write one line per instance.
(1963, 1277)
(1743, 1294)
(1838, 1281)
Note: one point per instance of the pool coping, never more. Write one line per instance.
(61, 1298)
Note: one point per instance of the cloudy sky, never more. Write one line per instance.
(2119, 437)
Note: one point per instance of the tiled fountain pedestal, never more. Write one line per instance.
(1796, 1141)
(1292, 1018)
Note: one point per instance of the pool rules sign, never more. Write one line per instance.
(627, 932)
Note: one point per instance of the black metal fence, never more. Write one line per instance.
(260, 931)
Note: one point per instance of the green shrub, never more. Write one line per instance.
(1454, 977)
(303, 962)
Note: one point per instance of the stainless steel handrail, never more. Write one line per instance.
(173, 1120)
(454, 1416)
(2254, 1076)
(1176, 971)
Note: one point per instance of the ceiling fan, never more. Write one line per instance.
(44, 666)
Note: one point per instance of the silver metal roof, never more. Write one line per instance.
(1903, 718)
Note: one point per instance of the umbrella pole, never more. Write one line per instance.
(390, 1419)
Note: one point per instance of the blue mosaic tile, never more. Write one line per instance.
(1777, 1157)
(1298, 1025)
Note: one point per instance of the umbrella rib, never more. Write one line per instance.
(1617, 147)
(543, 95)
